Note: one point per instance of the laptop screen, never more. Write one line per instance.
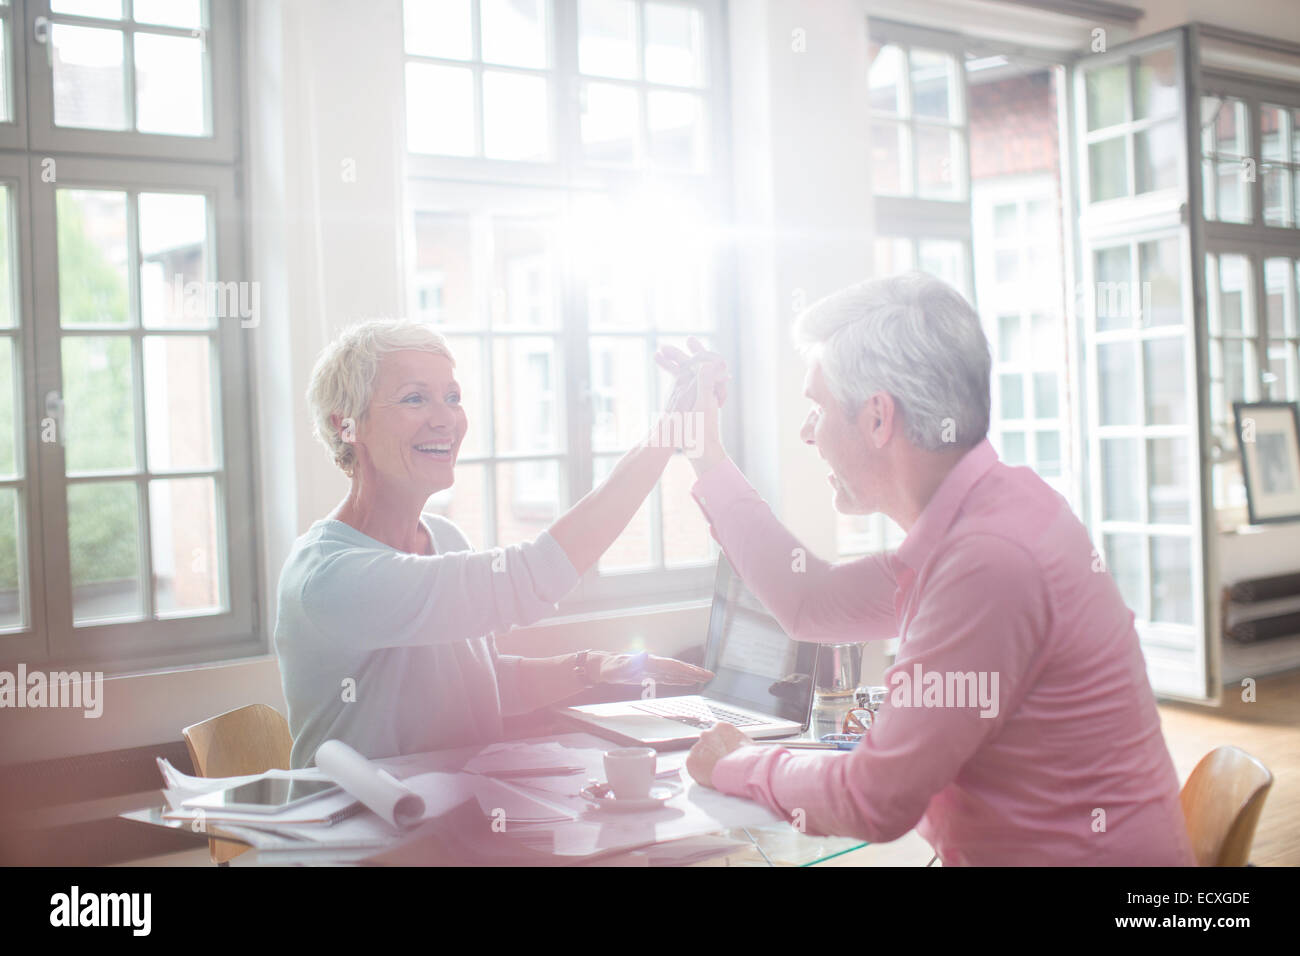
(755, 664)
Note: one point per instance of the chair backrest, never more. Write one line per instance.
(246, 740)
(1222, 800)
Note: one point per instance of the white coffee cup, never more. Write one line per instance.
(630, 771)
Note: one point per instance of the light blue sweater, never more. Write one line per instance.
(412, 633)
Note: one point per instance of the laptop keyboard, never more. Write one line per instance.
(679, 707)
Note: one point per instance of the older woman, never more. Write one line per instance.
(386, 614)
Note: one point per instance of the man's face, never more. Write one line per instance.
(841, 442)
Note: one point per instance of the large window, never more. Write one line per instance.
(123, 325)
(565, 201)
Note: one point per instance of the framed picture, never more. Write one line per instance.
(1268, 435)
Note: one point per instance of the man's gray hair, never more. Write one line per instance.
(910, 335)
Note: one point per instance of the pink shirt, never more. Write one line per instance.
(997, 578)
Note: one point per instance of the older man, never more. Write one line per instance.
(996, 585)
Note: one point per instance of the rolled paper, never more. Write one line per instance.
(378, 789)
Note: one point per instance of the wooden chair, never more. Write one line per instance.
(1222, 800)
(246, 740)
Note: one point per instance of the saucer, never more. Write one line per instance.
(601, 797)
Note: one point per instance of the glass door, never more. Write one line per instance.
(1143, 411)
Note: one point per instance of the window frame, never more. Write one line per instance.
(220, 39)
(434, 182)
(13, 133)
(28, 642)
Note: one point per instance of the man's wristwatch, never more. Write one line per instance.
(580, 670)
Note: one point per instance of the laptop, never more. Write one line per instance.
(763, 682)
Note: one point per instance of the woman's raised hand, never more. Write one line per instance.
(699, 391)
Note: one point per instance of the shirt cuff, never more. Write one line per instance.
(731, 773)
(721, 483)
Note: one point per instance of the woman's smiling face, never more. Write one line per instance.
(412, 431)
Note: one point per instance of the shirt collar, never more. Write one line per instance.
(938, 514)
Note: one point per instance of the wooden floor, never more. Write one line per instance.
(1268, 728)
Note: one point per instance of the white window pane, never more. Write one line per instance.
(677, 131)
(1107, 172)
(6, 107)
(1048, 463)
(1011, 391)
(885, 79)
(98, 395)
(514, 32)
(442, 288)
(12, 560)
(1160, 275)
(1117, 381)
(1233, 191)
(944, 259)
(1157, 153)
(8, 450)
(1277, 209)
(1011, 344)
(89, 87)
(1236, 303)
(187, 560)
(104, 9)
(103, 541)
(1013, 448)
(439, 109)
(524, 285)
(179, 378)
(1121, 481)
(1106, 92)
(1046, 395)
(8, 308)
(1166, 398)
(169, 85)
(674, 45)
(1171, 579)
(1155, 91)
(1230, 129)
(174, 287)
(439, 28)
(526, 395)
(933, 85)
(609, 123)
(169, 13)
(939, 165)
(1124, 561)
(1114, 300)
(92, 257)
(1048, 338)
(888, 149)
(607, 44)
(1272, 133)
(1005, 220)
(1277, 277)
(515, 117)
(1169, 484)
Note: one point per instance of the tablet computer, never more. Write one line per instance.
(269, 795)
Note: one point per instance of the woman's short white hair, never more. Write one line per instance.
(344, 375)
(910, 335)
